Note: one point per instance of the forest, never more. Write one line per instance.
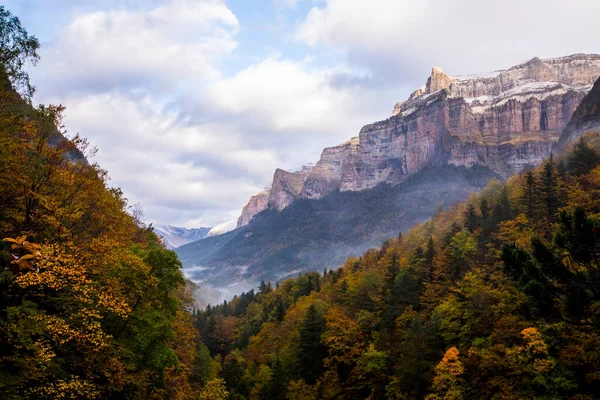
(497, 297)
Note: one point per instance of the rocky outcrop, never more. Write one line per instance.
(505, 120)
(256, 204)
(286, 188)
(326, 175)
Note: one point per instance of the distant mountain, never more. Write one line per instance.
(444, 142)
(173, 236)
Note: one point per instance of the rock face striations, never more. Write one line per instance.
(505, 120)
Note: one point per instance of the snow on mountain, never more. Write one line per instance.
(223, 228)
(173, 236)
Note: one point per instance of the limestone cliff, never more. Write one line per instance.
(505, 120)
(286, 187)
(256, 204)
(326, 175)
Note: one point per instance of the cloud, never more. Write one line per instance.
(400, 40)
(287, 94)
(167, 166)
(103, 50)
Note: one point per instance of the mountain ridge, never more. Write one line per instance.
(507, 120)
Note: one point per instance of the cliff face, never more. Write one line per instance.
(256, 204)
(326, 175)
(286, 187)
(504, 120)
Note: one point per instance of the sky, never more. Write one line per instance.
(193, 104)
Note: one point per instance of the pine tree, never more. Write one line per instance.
(471, 219)
(484, 208)
(391, 272)
(583, 158)
(344, 286)
(403, 293)
(429, 255)
(279, 309)
(357, 264)
(530, 194)
(549, 187)
(310, 350)
(502, 209)
(276, 389)
(262, 288)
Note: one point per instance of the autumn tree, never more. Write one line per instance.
(448, 381)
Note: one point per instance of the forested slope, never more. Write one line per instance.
(495, 298)
(91, 305)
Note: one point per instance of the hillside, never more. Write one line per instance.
(91, 305)
(495, 298)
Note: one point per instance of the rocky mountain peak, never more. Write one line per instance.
(437, 81)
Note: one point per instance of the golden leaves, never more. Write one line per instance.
(31, 250)
(535, 342)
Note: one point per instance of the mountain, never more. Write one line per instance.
(445, 141)
(173, 236)
(506, 120)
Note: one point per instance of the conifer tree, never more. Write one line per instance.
(403, 293)
(583, 158)
(429, 256)
(471, 219)
(484, 208)
(530, 194)
(310, 350)
(549, 187)
(502, 209)
(276, 389)
(279, 309)
(391, 272)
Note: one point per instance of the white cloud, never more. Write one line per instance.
(166, 164)
(403, 38)
(128, 48)
(291, 96)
